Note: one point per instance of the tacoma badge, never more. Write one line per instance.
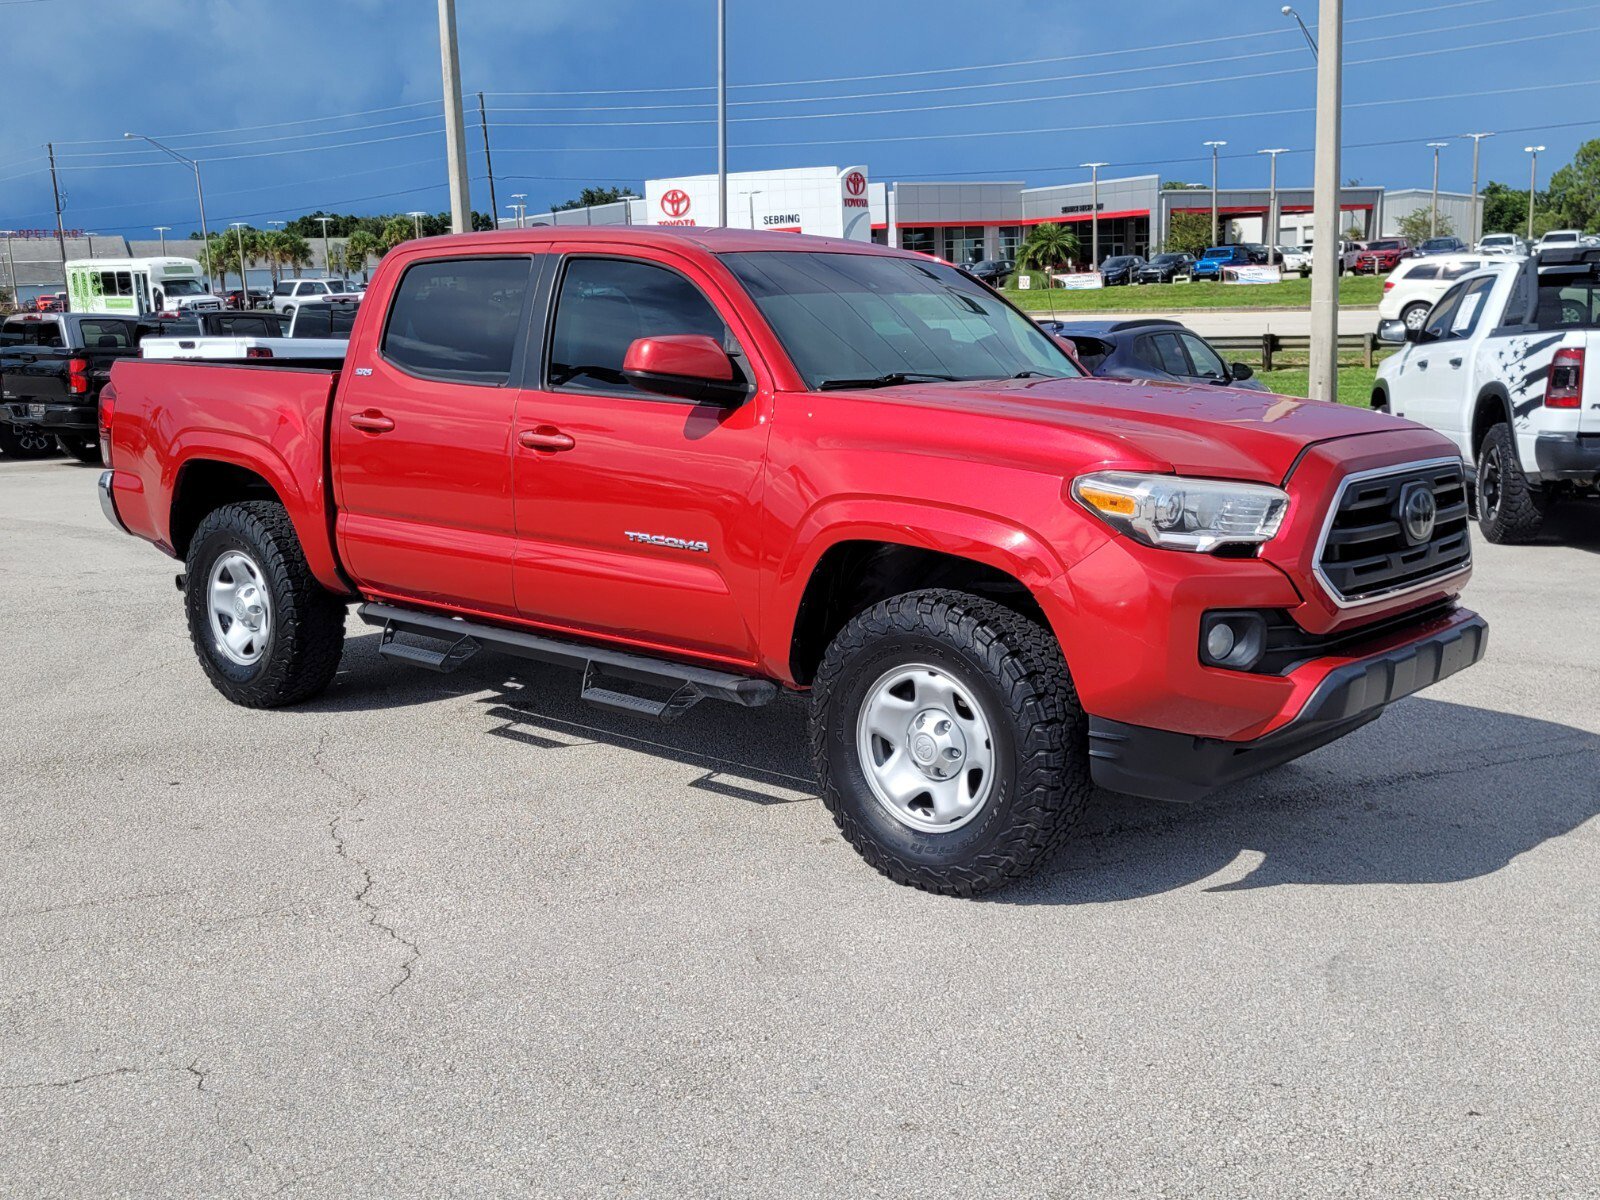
(671, 543)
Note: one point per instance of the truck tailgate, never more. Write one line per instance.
(39, 374)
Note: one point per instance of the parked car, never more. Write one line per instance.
(51, 384)
(993, 271)
(256, 298)
(1151, 348)
(1164, 268)
(1382, 256)
(1503, 243)
(288, 294)
(1442, 245)
(1119, 270)
(1000, 582)
(16, 341)
(1296, 260)
(1499, 369)
(50, 303)
(1414, 286)
(1259, 254)
(1211, 263)
(1559, 239)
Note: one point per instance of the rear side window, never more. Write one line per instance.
(606, 304)
(1423, 271)
(458, 319)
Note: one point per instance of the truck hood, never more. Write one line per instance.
(1220, 433)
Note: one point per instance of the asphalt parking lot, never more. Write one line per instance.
(464, 936)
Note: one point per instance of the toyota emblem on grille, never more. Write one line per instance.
(1418, 511)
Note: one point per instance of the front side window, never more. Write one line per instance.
(848, 318)
(1438, 326)
(1470, 308)
(459, 319)
(606, 304)
(1164, 352)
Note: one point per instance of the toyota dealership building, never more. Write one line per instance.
(967, 221)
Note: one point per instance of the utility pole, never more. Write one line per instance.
(1094, 212)
(1216, 238)
(455, 135)
(61, 232)
(1325, 205)
(1433, 213)
(1273, 219)
(244, 280)
(1477, 199)
(483, 119)
(1533, 185)
(722, 112)
(323, 221)
(162, 230)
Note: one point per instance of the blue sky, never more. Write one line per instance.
(615, 91)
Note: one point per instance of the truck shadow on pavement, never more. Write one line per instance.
(1431, 793)
(1574, 524)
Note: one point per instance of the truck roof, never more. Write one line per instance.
(707, 238)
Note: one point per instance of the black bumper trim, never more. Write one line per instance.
(72, 418)
(1161, 765)
(1568, 456)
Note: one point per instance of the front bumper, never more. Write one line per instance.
(1162, 765)
(63, 418)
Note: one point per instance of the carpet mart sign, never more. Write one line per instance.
(825, 201)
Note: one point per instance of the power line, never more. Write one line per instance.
(287, 137)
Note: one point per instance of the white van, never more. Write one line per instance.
(138, 286)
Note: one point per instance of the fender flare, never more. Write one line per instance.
(1493, 391)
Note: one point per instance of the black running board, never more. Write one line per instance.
(687, 685)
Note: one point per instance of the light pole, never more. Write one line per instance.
(1094, 211)
(199, 191)
(1325, 206)
(1216, 240)
(521, 206)
(11, 266)
(1274, 221)
(751, 196)
(722, 112)
(1433, 212)
(323, 221)
(1310, 41)
(244, 280)
(1477, 200)
(1533, 183)
(162, 230)
(416, 221)
(455, 130)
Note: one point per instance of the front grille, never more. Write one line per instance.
(1367, 551)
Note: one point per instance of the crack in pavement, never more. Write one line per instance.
(341, 848)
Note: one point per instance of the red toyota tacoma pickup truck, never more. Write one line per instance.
(708, 464)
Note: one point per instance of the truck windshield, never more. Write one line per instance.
(882, 320)
(181, 287)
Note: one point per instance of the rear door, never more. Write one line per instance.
(422, 435)
(638, 515)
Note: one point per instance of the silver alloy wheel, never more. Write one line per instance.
(240, 608)
(926, 748)
(1415, 316)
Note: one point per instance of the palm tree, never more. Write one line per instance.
(294, 251)
(358, 248)
(1048, 246)
(395, 231)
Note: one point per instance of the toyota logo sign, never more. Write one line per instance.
(675, 203)
(1418, 512)
(855, 183)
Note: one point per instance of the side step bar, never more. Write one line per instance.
(687, 685)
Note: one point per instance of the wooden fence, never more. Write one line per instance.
(1271, 344)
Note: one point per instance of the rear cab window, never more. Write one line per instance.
(458, 320)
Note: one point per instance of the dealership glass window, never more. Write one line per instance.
(920, 240)
(1010, 241)
(606, 304)
(963, 244)
(458, 320)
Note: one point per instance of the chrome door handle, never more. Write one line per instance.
(372, 421)
(546, 437)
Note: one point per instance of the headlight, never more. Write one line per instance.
(1183, 514)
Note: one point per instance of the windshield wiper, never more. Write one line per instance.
(892, 379)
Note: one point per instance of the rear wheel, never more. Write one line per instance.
(24, 441)
(1510, 509)
(84, 449)
(265, 631)
(949, 742)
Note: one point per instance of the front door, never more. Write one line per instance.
(637, 515)
(422, 437)
(1435, 395)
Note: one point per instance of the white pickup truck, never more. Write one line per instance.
(1499, 368)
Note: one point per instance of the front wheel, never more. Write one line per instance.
(266, 632)
(949, 743)
(1510, 509)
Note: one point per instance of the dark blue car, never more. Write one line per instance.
(1213, 260)
(1151, 348)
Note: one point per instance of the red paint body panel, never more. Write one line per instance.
(692, 531)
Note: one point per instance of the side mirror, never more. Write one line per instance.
(690, 366)
(1393, 333)
(1241, 371)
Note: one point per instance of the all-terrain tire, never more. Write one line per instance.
(81, 447)
(1510, 509)
(1015, 670)
(305, 636)
(27, 442)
